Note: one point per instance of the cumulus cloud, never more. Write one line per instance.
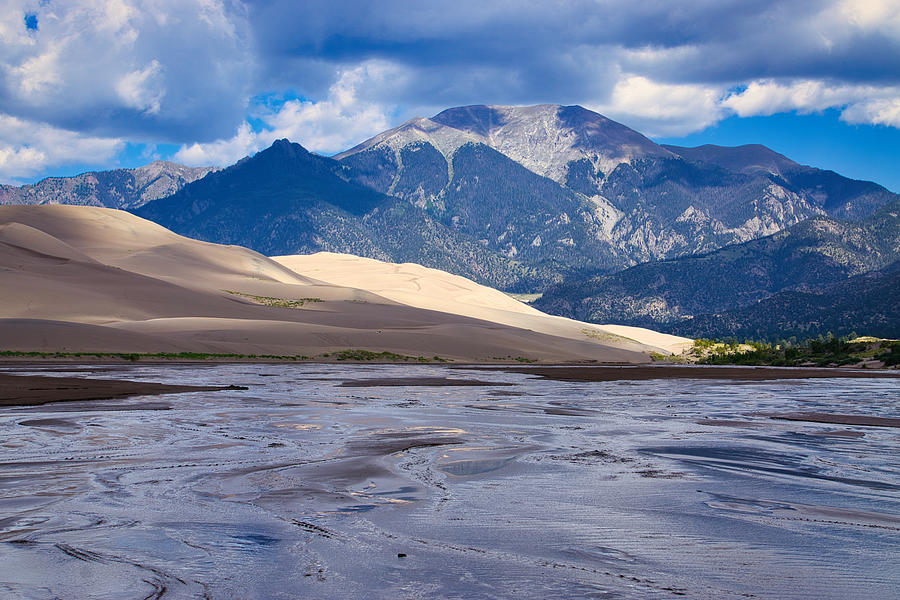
(221, 152)
(661, 109)
(874, 105)
(26, 148)
(159, 70)
(874, 112)
(667, 69)
(142, 89)
(871, 15)
(327, 126)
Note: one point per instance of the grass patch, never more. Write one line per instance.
(350, 354)
(526, 298)
(605, 336)
(368, 355)
(520, 359)
(277, 302)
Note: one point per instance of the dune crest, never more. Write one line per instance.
(79, 278)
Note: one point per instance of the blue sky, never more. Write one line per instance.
(95, 84)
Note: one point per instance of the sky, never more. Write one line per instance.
(99, 84)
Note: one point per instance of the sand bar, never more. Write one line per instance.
(817, 417)
(32, 390)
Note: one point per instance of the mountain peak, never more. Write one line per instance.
(281, 151)
(285, 145)
(546, 138)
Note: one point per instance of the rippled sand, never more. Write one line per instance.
(320, 482)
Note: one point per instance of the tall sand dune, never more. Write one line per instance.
(78, 278)
(432, 289)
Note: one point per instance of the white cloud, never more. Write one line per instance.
(155, 70)
(663, 109)
(768, 97)
(221, 152)
(27, 148)
(874, 15)
(874, 112)
(38, 75)
(342, 119)
(142, 89)
(864, 104)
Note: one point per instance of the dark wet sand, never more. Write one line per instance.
(32, 390)
(815, 417)
(642, 373)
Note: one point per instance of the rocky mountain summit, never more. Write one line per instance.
(550, 140)
(829, 192)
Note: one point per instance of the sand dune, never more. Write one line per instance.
(80, 278)
(432, 289)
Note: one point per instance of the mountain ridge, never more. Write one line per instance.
(808, 257)
(116, 188)
(865, 304)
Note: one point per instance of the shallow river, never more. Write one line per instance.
(306, 487)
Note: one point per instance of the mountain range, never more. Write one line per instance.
(119, 188)
(862, 305)
(755, 289)
(609, 225)
(515, 197)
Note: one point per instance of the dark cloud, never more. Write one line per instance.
(193, 71)
(543, 44)
(185, 71)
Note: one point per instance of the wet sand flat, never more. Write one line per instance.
(302, 487)
(32, 390)
(861, 420)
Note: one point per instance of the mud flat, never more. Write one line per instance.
(32, 390)
(301, 486)
(859, 420)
